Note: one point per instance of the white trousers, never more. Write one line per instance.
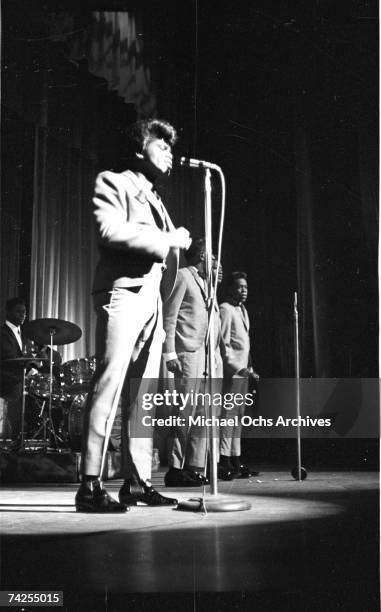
(129, 337)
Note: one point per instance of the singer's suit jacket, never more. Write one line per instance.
(235, 337)
(128, 216)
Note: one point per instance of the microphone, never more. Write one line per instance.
(197, 163)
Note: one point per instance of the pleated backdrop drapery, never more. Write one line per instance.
(63, 241)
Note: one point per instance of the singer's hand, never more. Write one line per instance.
(179, 238)
(245, 372)
(174, 366)
(168, 160)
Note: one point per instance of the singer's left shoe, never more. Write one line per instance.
(92, 497)
(131, 494)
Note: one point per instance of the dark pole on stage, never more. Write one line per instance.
(298, 472)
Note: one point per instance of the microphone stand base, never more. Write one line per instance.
(213, 504)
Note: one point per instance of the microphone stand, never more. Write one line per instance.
(210, 345)
(297, 375)
(214, 503)
(299, 472)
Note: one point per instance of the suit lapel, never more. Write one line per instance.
(148, 193)
(13, 338)
(172, 260)
(245, 317)
(172, 263)
(169, 275)
(199, 281)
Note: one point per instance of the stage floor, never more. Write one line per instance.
(302, 545)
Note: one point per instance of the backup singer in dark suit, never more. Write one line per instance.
(137, 242)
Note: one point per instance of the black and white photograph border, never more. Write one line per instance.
(281, 99)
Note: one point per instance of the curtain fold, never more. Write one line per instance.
(113, 47)
(63, 242)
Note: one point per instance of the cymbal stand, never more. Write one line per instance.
(47, 425)
(43, 426)
(23, 401)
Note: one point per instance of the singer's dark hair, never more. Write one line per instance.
(12, 302)
(140, 132)
(234, 276)
(193, 254)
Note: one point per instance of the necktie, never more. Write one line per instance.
(161, 209)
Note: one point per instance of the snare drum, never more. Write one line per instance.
(37, 385)
(78, 374)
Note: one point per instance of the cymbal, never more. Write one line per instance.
(64, 332)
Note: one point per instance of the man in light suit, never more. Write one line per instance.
(186, 325)
(235, 328)
(137, 242)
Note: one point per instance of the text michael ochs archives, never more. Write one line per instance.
(212, 401)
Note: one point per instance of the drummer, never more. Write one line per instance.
(43, 350)
(13, 345)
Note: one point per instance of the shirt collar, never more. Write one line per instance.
(197, 271)
(14, 328)
(147, 184)
(235, 303)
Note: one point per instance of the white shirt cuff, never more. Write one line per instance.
(169, 356)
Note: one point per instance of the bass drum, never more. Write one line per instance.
(74, 421)
(77, 374)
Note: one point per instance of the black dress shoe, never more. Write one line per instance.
(180, 478)
(224, 473)
(197, 476)
(132, 494)
(91, 497)
(242, 469)
(246, 471)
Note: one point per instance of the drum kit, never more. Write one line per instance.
(52, 411)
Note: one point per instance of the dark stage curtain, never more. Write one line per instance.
(337, 221)
(16, 206)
